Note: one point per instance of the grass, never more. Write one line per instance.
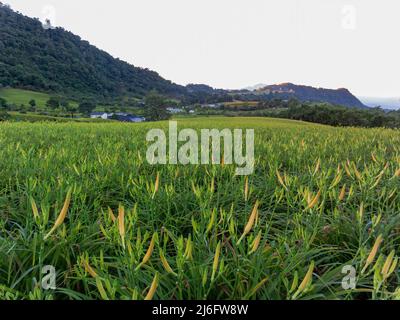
(20, 97)
(241, 104)
(82, 198)
(34, 117)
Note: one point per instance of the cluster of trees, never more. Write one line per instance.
(3, 103)
(85, 107)
(54, 104)
(4, 115)
(3, 107)
(313, 112)
(156, 107)
(342, 116)
(203, 94)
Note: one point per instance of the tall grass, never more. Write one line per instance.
(82, 198)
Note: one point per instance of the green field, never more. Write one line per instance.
(320, 198)
(20, 97)
(34, 117)
(242, 104)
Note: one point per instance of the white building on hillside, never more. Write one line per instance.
(119, 116)
(99, 115)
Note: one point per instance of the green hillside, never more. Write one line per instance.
(22, 97)
(55, 60)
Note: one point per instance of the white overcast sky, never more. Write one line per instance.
(238, 43)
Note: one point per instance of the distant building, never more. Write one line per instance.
(119, 116)
(175, 110)
(211, 105)
(124, 117)
(99, 115)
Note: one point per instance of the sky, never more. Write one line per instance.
(234, 44)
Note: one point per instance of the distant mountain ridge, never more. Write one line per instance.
(303, 93)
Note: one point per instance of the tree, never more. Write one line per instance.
(293, 103)
(4, 116)
(71, 110)
(32, 104)
(86, 107)
(64, 104)
(53, 103)
(156, 107)
(113, 109)
(3, 103)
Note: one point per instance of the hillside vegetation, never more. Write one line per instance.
(340, 96)
(323, 113)
(320, 199)
(56, 60)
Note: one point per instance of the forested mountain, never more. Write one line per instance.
(55, 60)
(306, 93)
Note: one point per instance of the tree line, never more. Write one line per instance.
(342, 116)
(53, 104)
(323, 113)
